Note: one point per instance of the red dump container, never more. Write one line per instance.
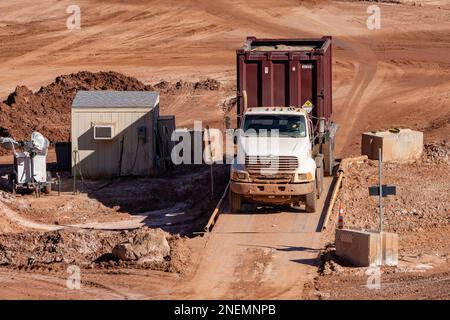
(285, 72)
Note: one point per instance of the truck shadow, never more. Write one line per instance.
(284, 248)
(308, 261)
(267, 209)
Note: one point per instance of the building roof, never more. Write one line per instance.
(115, 99)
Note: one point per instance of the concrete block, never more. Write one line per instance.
(390, 248)
(407, 145)
(367, 248)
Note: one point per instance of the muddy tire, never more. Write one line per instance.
(311, 201)
(235, 202)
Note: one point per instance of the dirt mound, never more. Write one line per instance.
(208, 84)
(228, 104)
(84, 248)
(48, 109)
(171, 88)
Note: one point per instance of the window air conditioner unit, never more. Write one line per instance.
(103, 131)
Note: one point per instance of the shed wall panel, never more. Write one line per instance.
(101, 158)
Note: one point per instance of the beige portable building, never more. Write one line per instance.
(114, 133)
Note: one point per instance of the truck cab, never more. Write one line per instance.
(275, 162)
(284, 115)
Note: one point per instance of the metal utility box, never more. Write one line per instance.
(285, 72)
(22, 162)
(114, 133)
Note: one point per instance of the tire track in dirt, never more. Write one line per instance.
(25, 284)
(360, 53)
(15, 218)
(71, 39)
(364, 75)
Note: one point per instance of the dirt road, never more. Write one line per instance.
(258, 254)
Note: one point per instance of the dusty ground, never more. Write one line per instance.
(179, 201)
(56, 250)
(396, 76)
(419, 214)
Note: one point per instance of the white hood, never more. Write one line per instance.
(275, 146)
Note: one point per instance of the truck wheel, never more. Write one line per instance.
(235, 201)
(311, 201)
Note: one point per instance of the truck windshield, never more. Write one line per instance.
(287, 125)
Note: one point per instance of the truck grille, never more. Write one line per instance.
(266, 165)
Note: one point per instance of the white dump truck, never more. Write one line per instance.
(286, 140)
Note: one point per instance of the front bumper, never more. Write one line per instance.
(256, 190)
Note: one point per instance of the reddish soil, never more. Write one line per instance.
(48, 109)
(84, 248)
(179, 201)
(396, 76)
(419, 213)
(65, 209)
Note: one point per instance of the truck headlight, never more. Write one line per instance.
(304, 176)
(239, 175)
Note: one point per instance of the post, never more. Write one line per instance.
(211, 159)
(74, 173)
(380, 205)
(58, 177)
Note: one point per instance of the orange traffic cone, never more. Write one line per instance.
(341, 216)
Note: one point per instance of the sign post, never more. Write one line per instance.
(380, 173)
(381, 190)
